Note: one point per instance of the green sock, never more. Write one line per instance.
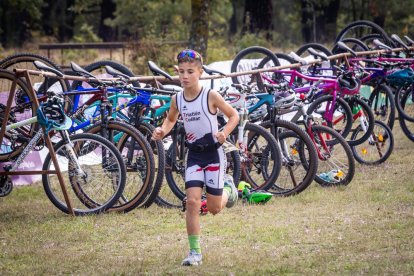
(194, 241)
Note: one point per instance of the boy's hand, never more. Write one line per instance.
(221, 137)
(157, 134)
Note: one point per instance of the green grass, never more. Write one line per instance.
(364, 228)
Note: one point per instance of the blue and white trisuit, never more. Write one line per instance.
(206, 161)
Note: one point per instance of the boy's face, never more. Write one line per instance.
(189, 74)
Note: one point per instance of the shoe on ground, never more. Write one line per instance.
(193, 258)
(234, 194)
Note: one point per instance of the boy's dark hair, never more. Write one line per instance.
(189, 55)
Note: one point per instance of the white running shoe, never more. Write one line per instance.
(193, 258)
(234, 194)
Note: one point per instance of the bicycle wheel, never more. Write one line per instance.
(361, 28)
(302, 50)
(324, 68)
(139, 160)
(159, 155)
(362, 114)
(295, 175)
(248, 59)
(377, 148)
(369, 40)
(98, 186)
(353, 43)
(340, 119)
(284, 59)
(406, 126)
(261, 158)
(382, 104)
(22, 108)
(40, 83)
(336, 162)
(404, 101)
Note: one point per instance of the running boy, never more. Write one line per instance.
(206, 162)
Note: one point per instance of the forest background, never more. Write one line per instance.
(157, 30)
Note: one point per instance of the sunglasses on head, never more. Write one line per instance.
(189, 54)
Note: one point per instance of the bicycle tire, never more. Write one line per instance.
(369, 40)
(381, 138)
(280, 56)
(261, 164)
(291, 161)
(405, 109)
(315, 69)
(140, 165)
(237, 64)
(26, 61)
(106, 196)
(406, 126)
(384, 112)
(326, 149)
(347, 30)
(316, 46)
(358, 46)
(356, 103)
(23, 107)
(284, 59)
(158, 150)
(318, 107)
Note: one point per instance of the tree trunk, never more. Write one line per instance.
(236, 19)
(15, 24)
(319, 20)
(57, 20)
(107, 11)
(258, 17)
(378, 10)
(307, 21)
(200, 17)
(328, 19)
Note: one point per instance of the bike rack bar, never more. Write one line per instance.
(28, 172)
(175, 78)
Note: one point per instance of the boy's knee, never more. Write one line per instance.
(215, 209)
(193, 203)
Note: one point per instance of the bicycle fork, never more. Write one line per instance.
(73, 159)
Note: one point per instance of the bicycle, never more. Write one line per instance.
(92, 165)
(136, 151)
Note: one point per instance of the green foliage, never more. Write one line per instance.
(18, 19)
(141, 19)
(220, 14)
(249, 39)
(85, 34)
(87, 18)
(218, 50)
